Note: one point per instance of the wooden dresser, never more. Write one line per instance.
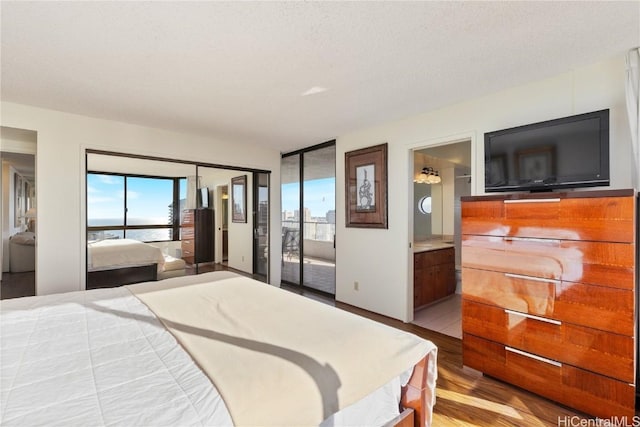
(548, 295)
(196, 235)
(434, 275)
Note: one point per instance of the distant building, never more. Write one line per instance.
(288, 215)
(331, 217)
(183, 202)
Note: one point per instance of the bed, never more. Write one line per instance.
(114, 262)
(213, 349)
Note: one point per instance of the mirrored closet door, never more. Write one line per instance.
(152, 219)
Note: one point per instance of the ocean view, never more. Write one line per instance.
(148, 235)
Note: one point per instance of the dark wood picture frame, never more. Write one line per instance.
(239, 199)
(366, 187)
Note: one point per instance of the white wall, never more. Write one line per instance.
(60, 168)
(380, 260)
(448, 176)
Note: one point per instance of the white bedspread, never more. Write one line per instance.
(97, 358)
(119, 253)
(254, 340)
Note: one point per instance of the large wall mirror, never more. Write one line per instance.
(152, 219)
(19, 213)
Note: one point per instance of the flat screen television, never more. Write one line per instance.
(555, 154)
(203, 198)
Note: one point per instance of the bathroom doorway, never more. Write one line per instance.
(442, 175)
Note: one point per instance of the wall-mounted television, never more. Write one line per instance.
(203, 198)
(561, 153)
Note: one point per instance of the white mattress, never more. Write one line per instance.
(100, 357)
(120, 253)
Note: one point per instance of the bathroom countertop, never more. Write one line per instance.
(430, 245)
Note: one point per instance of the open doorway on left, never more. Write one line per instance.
(19, 222)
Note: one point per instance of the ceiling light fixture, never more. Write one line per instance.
(314, 90)
(428, 175)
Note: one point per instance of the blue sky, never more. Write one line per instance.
(147, 198)
(320, 196)
(150, 198)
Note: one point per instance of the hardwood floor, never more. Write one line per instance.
(464, 397)
(15, 285)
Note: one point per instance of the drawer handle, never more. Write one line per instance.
(533, 356)
(533, 279)
(531, 316)
(530, 239)
(556, 200)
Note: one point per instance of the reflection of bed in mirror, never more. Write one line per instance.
(116, 262)
(209, 349)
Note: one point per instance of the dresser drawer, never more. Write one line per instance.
(187, 233)
(586, 391)
(186, 252)
(598, 307)
(187, 217)
(602, 352)
(598, 263)
(591, 219)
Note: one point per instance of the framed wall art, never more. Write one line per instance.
(239, 199)
(366, 187)
(19, 200)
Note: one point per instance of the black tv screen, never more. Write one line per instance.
(561, 153)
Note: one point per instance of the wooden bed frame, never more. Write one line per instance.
(121, 276)
(415, 398)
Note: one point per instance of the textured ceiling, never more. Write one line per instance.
(236, 70)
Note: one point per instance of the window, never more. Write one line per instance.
(134, 207)
(424, 206)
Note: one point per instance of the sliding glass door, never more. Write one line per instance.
(308, 218)
(290, 173)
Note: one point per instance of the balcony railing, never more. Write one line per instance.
(318, 240)
(320, 231)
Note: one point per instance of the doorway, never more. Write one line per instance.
(19, 213)
(309, 218)
(222, 218)
(437, 231)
